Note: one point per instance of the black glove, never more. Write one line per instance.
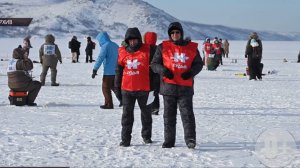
(94, 73)
(245, 56)
(186, 75)
(60, 62)
(168, 74)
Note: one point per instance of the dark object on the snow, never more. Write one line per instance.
(212, 62)
(34, 61)
(17, 98)
(298, 57)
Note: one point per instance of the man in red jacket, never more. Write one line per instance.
(133, 67)
(177, 61)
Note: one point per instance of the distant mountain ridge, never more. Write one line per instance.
(89, 17)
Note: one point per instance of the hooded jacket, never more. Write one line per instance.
(158, 66)
(49, 59)
(108, 54)
(131, 33)
(19, 78)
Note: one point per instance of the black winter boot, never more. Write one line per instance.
(124, 143)
(191, 144)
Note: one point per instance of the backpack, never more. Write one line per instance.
(93, 45)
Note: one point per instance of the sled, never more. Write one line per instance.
(17, 98)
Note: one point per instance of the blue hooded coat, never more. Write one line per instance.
(108, 54)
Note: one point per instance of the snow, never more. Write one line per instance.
(68, 128)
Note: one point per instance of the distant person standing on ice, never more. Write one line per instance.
(226, 48)
(254, 54)
(74, 45)
(207, 49)
(133, 82)
(49, 57)
(26, 44)
(177, 61)
(108, 56)
(90, 46)
(217, 47)
(298, 57)
(150, 38)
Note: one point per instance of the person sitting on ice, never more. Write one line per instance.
(19, 78)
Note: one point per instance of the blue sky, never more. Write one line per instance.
(271, 15)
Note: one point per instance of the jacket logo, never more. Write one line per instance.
(133, 64)
(180, 57)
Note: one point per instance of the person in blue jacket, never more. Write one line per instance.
(108, 56)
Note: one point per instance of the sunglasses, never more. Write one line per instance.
(175, 32)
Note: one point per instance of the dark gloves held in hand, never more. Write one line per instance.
(168, 74)
(186, 75)
(94, 73)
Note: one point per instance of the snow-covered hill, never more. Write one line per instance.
(88, 17)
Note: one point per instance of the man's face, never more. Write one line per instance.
(175, 35)
(133, 42)
(25, 44)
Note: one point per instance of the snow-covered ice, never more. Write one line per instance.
(69, 129)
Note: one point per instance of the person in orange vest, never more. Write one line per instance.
(150, 38)
(133, 83)
(177, 61)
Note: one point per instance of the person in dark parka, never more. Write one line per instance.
(298, 57)
(177, 61)
(89, 50)
(133, 82)
(19, 78)
(254, 54)
(74, 45)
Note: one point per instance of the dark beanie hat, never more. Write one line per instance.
(175, 26)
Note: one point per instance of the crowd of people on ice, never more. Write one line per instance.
(167, 69)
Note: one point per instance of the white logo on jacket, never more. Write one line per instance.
(12, 65)
(180, 57)
(49, 49)
(133, 64)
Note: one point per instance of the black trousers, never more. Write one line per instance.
(185, 104)
(129, 100)
(87, 58)
(254, 68)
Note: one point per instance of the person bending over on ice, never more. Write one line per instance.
(18, 75)
(177, 61)
(133, 82)
(49, 57)
(108, 56)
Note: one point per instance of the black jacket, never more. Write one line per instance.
(254, 52)
(74, 45)
(89, 48)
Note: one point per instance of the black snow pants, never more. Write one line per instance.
(254, 68)
(185, 104)
(129, 99)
